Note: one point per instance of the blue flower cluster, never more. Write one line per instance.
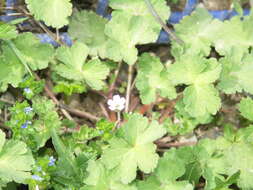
(51, 161)
(27, 90)
(37, 178)
(25, 125)
(28, 110)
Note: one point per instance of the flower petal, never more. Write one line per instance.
(116, 98)
(110, 102)
(122, 100)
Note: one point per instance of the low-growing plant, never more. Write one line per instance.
(152, 136)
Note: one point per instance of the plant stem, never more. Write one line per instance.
(52, 96)
(160, 21)
(19, 55)
(115, 80)
(45, 29)
(129, 83)
(79, 112)
(118, 120)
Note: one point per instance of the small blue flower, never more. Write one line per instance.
(28, 110)
(25, 125)
(51, 161)
(37, 178)
(39, 168)
(27, 90)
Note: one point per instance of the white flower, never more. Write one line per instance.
(37, 187)
(117, 103)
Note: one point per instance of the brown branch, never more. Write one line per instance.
(52, 96)
(7, 101)
(79, 112)
(104, 111)
(175, 144)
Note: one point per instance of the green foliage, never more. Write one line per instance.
(101, 179)
(7, 31)
(133, 144)
(32, 124)
(152, 78)
(21, 55)
(136, 25)
(31, 87)
(16, 161)
(236, 73)
(70, 169)
(82, 28)
(69, 88)
(72, 66)
(54, 13)
(246, 108)
(200, 97)
(201, 76)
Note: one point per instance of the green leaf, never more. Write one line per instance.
(246, 108)
(134, 148)
(132, 24)
(152, 79)
(70, 170)
(54, 13)
(236, 73)
(170, 166)
(101, 179)
(240, 158)
(153, 183)
(21, 55)
(16, 160)
(139, 8)
(69, 88)
(201, 97)
(73, 67)
(43, 117)
(240, 38)
(194, 70)
(35, 54)
(7, 31)
(82, 28)
(48, 119)
(200, 100)
(198, 36)
(15, 73)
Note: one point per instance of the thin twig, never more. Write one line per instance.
(43, 27)
(133, 84)
(160, 21)
(51, 34)
(52, 96)
(79, 113)
(8, 8)
(129, 83)
(176, 144)
(57, 35)
(14, 14)
(7, 101)
(104, 111)
(117, 124)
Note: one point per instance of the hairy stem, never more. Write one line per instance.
(160, 21)
(129, 83)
